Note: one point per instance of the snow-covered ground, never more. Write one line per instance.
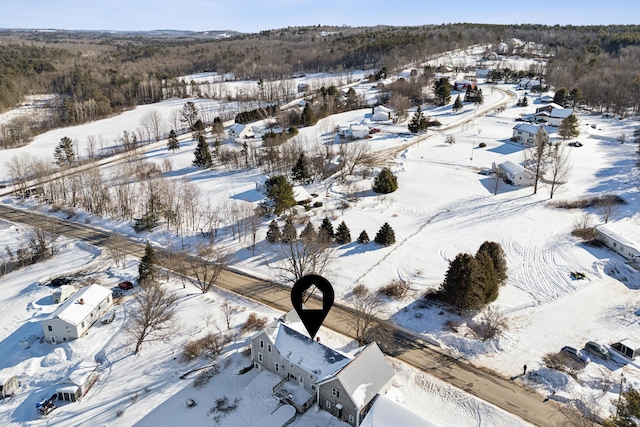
(442, 207)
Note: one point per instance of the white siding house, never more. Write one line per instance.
(525, 133)
(381, 114)
(238, 130)
(357, 131)
(76, 315)
(515, 173)
(623, 238)
(557, 115)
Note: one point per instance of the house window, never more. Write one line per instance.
(350, 418)
(50, 328)
(269, 348)
(327, 404)
(261, 344)
(277, 366)
(313, 387)
(335, 392)
(259, 357)
(68, 329)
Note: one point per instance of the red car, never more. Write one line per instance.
(126, 285)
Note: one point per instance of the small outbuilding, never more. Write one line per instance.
(8, 386)
(627, 348)
(381, 114)
(63, 293)
(78, 383)
(76, 315)
(358, 131)
(300, 195)
(238, 130)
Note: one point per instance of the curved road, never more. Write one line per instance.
(405, 346)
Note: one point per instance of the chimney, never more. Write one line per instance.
(81, 301)
(318, 339)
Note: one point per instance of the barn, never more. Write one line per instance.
(76, 315)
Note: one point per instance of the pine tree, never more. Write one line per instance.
(463, 285)
(199, 129)
(326, 232)
(490, 287)
(385, 236)
(386, 182)
(280, 194)
(273, 233)
(497, 255)
(308, 115)
(418, 122)
(147, 268)
(457, 105)
(363, 238)
(300, 171)
(343, 235)
(309, 233)
(289, 232)
(569, 127)
(64, 154)
(173, 143)
(202, 154)
(479, 98)
(561, 96)
(442, 89)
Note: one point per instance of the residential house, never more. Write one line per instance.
(300, 195)
(528, 83)
(546, 98)
(463, 85)
(548, 107)
(345, 386)
(525, 133)
(623, 238)
(79, 382)
(553, 116)
(516, 174)
(381, 114)
(303, 87)
(76, 315)
(238, 130)
(357, 131)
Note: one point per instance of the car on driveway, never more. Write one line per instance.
(575, 144)
(126, 285)
(575, 354)
(597, 350)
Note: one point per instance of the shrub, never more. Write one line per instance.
(253, 323)
(396, 289)
(482, 145)
(360, 290)
(363, 238)
(386, 182)
(343, 234)
(492, 324)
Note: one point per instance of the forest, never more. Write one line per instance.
(99, 74)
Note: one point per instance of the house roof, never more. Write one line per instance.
(381, 109)
(365, 375)
(624, 233)
(238, 128)
(561, 113)
(308, 354)
(386, 412)
(528, 128)
(359, 128)
(630, 344)
(73, 312)
(512, 168)
(300, 194)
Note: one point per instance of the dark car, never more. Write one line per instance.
(59, 281)
(126, 285)
(575, 354)
(597, 350)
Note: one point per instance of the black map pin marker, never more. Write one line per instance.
(312, 318)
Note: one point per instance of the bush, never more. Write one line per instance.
(253, 323)
(492, 324)
(397, 289)
(211, 344)
(482, 145)
(386, 182)
(588, 202)
(360, 290)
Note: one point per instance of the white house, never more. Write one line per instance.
(300, 195)
(515, 173)
(381, 114)
(525, 133)
(528, 83)
(238, 130)
(623, 238)
(557, 115)
(76, 315)
(345, 386)
(79, 382)
(357, 131)
(546, 98)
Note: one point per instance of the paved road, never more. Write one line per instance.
(501, 392)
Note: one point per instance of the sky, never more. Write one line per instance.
(256, 15)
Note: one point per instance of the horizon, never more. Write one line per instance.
(250, 16)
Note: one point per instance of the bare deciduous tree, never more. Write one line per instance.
(205, 268)
(537, 157)
(606, 207)
(304, 256)
(364, 320)
(152, 318)
(228, 310)
(117, 249)
(559, 169)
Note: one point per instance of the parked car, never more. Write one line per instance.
(597, 350)
(575, 354)
(117, 292)
(575, 144)
(126, 285)
(59, 281)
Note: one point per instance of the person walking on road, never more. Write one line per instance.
(524, 372)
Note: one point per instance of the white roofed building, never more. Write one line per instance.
(516, 174)
(357, 131)
(525, 133)
(76, 315)
(623, 238)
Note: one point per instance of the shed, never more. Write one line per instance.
(238, 130)
(63, 293)
(627, 347)
(303, 87)
(79, 382)
(358, 131)
(300, 195)
(381, 114)
(8, 386)
(515, 173)
(76, 315)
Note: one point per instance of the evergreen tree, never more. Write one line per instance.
(457, 105)
(309, 233)
(189, 115)
(363, 238)
(308, 115)
(386, 182)
(569, 127)
(479, 98)
(217, 128)
(280, 193)
(300, 171)
(385, 236)
(463, 285)
(326, 232)
(289, 232)
(199, 129)
(490, 287)
(576, 97)
(343, 235)
(442, 89)
(173, 143)
(273, 233)
(561, 96)
(147, 267)
(627, 411)
(202, 154)
(418, 122)
(64, 154)
(497, 255)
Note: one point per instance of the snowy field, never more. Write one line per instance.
(442, 207)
